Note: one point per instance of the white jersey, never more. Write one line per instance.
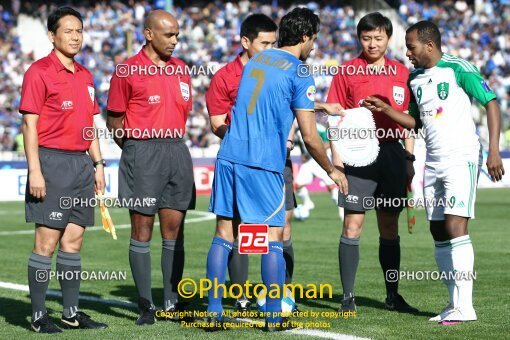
(443, 100)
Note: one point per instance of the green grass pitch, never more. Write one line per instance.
(315, 245)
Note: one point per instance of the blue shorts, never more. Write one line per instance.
(251, 194)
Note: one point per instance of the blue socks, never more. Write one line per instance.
(217, 260)
(273, 272)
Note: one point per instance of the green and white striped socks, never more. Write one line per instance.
(455, 258)
(463, 259)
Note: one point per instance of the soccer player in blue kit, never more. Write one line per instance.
(248, 178)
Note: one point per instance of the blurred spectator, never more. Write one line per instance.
(210, 36)
(507, 137)
(19, 143)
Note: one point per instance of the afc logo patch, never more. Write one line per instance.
(67, 105)
(154, 99)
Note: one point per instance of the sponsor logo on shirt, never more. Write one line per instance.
(154, 99)
(427, 113)
(67, 105)
(310, 92)
(398, 95)
(439, 112)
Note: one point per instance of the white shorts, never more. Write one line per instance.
(309, 170)
(449, 187)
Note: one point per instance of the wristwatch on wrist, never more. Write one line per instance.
(411, 157)
(101, 161)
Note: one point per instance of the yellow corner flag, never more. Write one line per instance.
(105, 217)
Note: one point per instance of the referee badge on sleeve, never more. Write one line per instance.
(91, 93)
(398, 95)
(184, 90)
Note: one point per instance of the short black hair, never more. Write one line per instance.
(295, 24)
(256, 23)
(373, 21)
(427, 31)
(58, 14)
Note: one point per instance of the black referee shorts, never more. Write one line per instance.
(68, 175)
(385, 178)
(156, 174)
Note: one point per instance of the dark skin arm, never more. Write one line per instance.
(375, 104)
(494, 162)
(114, 121)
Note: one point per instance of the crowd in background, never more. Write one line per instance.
(209, 36)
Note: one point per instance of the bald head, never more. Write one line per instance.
(161, 30)
(159, 17)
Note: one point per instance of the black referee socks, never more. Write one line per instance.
(237, 268)
(68, 270)
(140, 262)
(288, 255)
(389, 258)
(348, 258)
(38, 280)
(172, 266)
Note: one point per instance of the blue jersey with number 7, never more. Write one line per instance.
(271, 89)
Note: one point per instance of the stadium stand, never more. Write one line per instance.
(209, 35)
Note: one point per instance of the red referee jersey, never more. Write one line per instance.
(152, 102)
(222, 92)
(350, 86)
(65, 102)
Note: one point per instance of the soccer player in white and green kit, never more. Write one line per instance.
(443, 88)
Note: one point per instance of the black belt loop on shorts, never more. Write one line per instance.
(66, 152)
(157, 140)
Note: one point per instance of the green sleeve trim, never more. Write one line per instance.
(468, 78)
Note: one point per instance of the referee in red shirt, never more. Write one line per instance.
(58, 104)
(393, 168)
(155, 171)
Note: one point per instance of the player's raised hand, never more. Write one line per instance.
(37, 184)
(339, 178)
(495, 166)
(332, 109)
(374, 104)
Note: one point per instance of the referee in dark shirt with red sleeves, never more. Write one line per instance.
(152, 107)
(58, 105)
